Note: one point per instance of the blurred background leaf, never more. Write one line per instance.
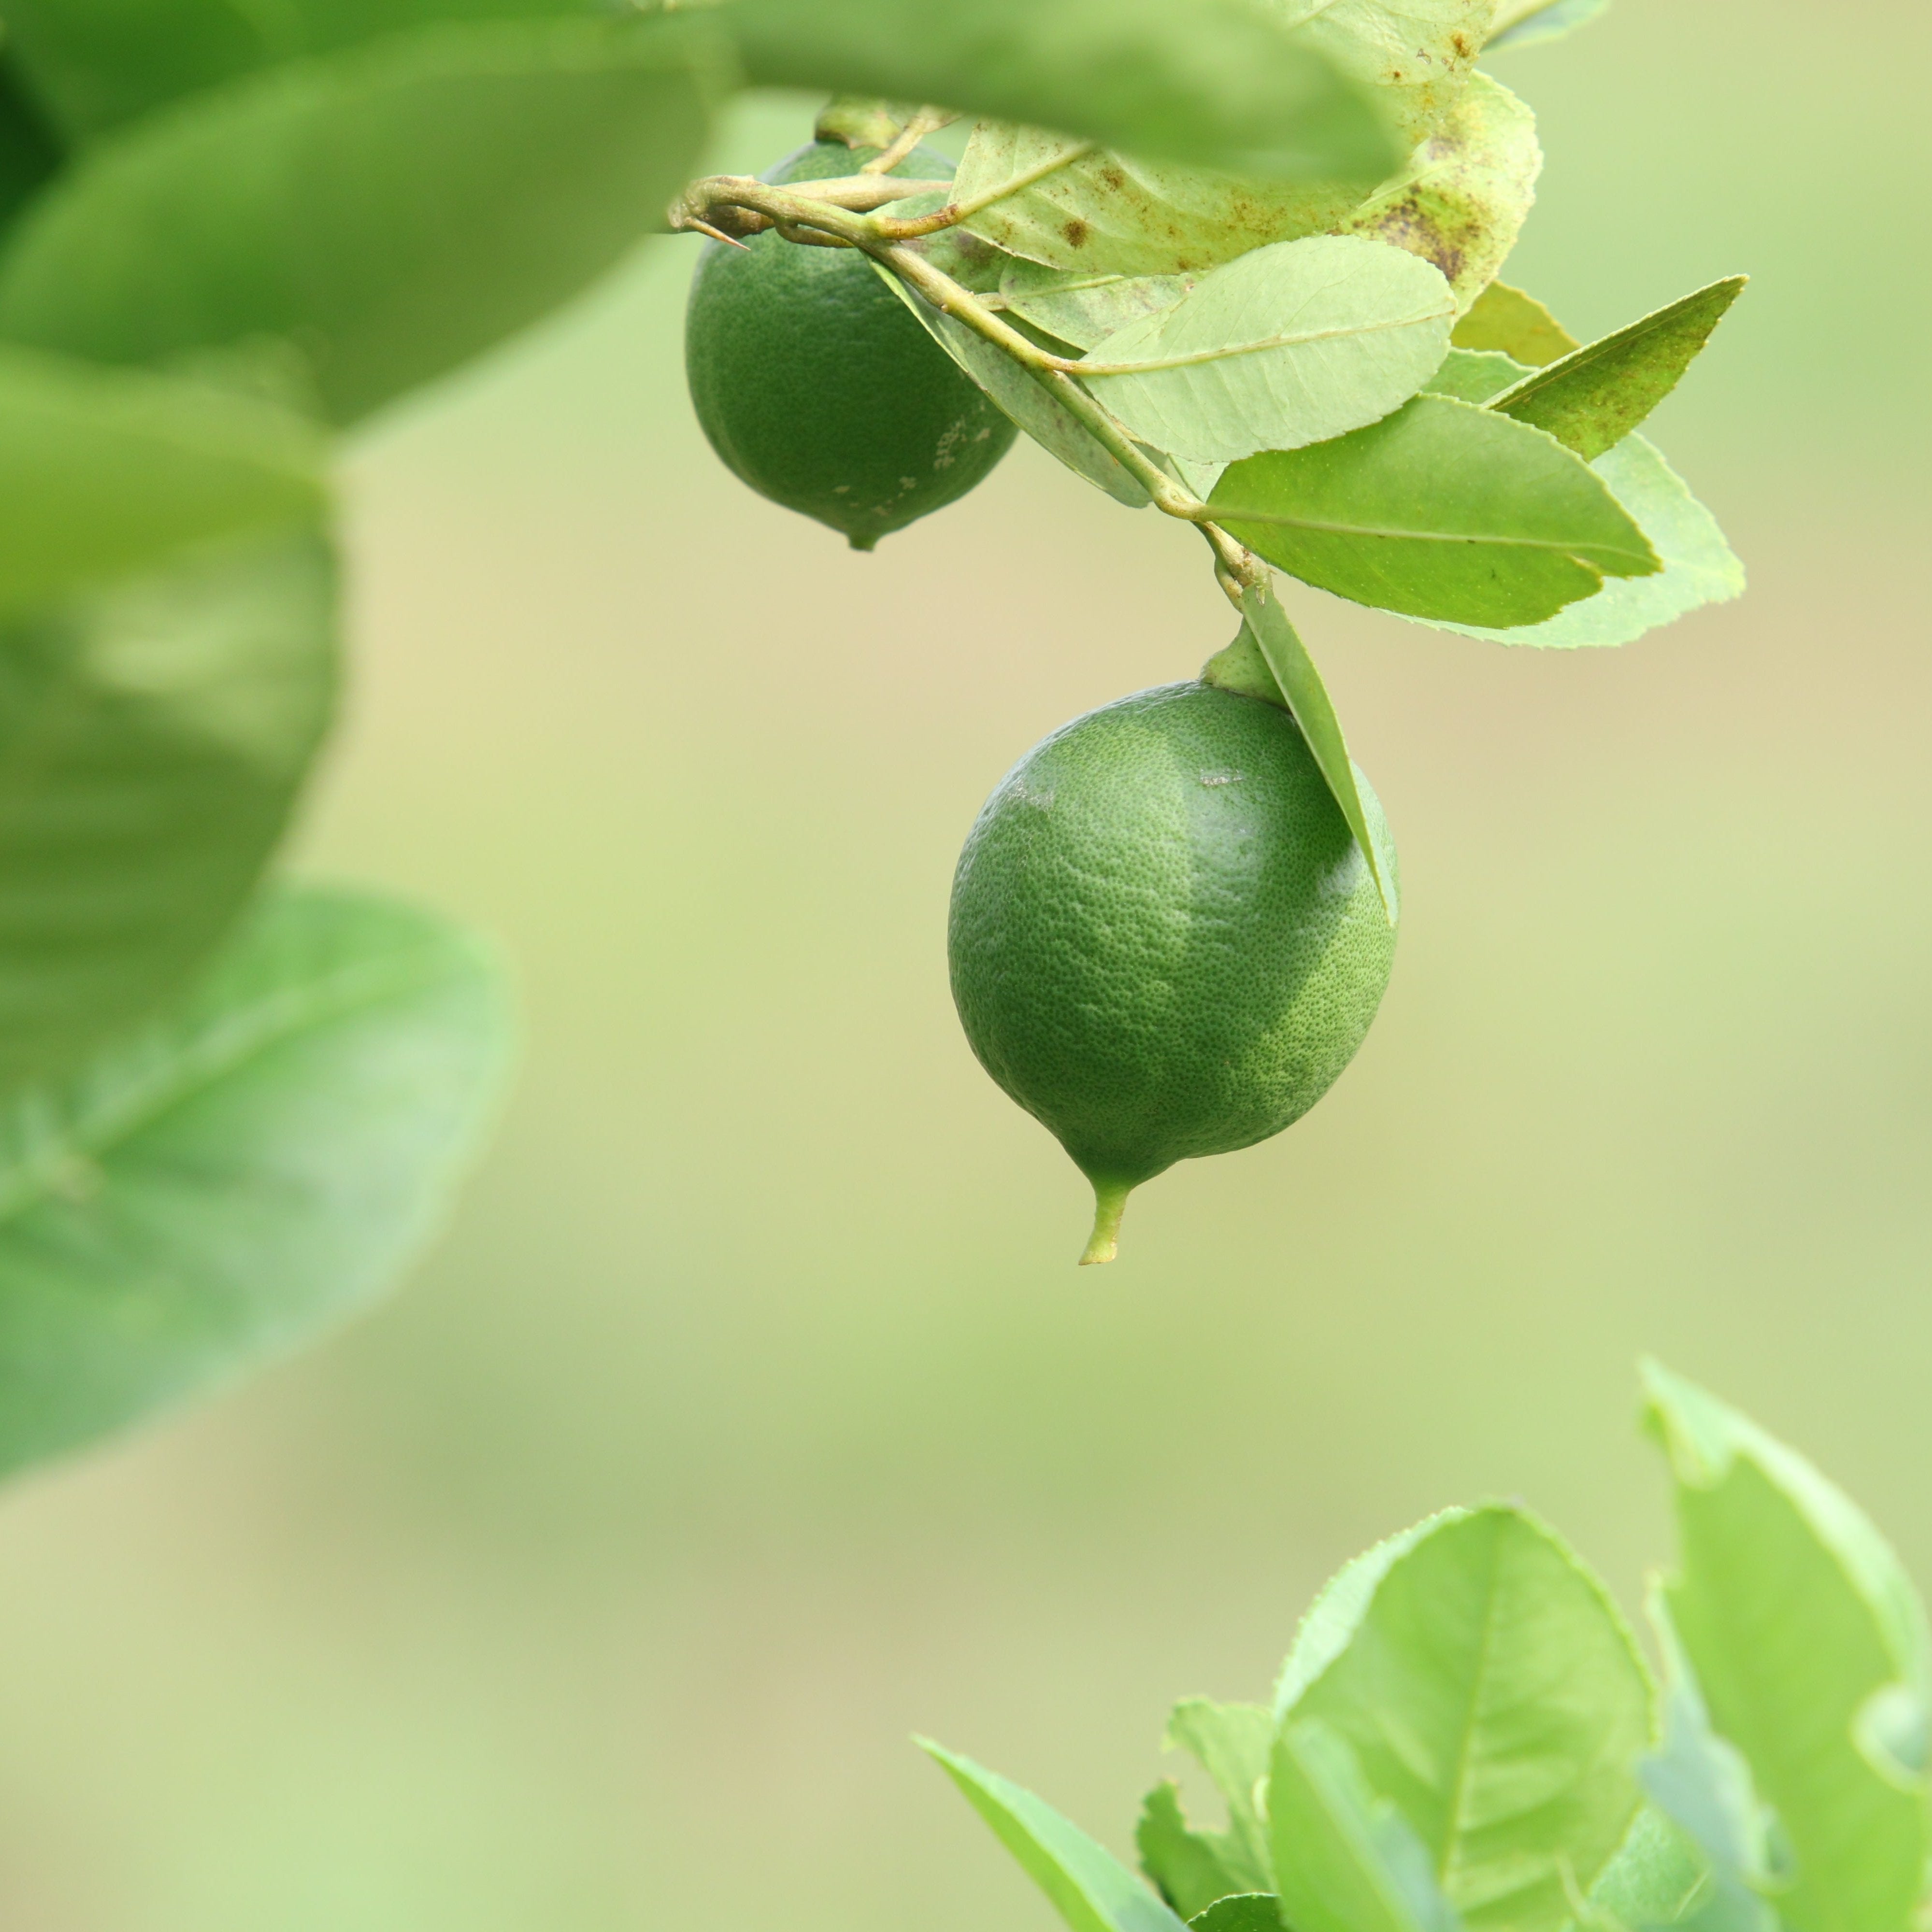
(207, 1191)
(753, 1415)
(154, 736)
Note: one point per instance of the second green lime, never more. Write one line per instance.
(817, 385)
(1164, 941)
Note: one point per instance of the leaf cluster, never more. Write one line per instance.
(1465, 1734)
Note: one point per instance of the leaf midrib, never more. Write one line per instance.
(1224, 514)
(1446, 1860)
(1096, 370)
(216, 1052)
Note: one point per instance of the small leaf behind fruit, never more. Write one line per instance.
(1088, 1886)
(1528, 23)
(1291, 344)
(1593, 396)
(1505, 319)
(213, 1188)
(1046, 419)
(1433, 513)
(1300, 683)
(1462, 200)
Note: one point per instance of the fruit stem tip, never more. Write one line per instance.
(1110, 1204)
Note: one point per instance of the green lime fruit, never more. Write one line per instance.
(818, 388)
(1164, 940)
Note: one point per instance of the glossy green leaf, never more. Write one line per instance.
(1088, 1886)
(1214, 82)
(154, 736)
(1083, 309)
(100, 62)
(1299, 682)
(1490, 1691)
(267, 1155)
(106, 472)
(1504, 319)
(1346, 1860)
(1593, 397)
(1443, 511)
(1046, 419)
(1190, 1868)
(1474, 375)
(1292, 344)
(394, 209)
(1700, 567)
(1245, 1912)
(1810, 1649)
(1463, 200)
(1528, 23)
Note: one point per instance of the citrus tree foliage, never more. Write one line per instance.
(1466, 1734)
(1258, 239)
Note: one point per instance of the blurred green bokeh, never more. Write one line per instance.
(752, 1414)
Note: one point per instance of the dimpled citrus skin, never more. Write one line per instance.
(816, 386)
(1164, 943)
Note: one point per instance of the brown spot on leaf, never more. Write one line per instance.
(1076, 231)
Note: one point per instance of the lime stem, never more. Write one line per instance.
(1110, 1204)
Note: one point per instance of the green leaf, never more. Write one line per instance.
(1194, 1868)
(1505, 319)
(1528, 23)
(1082, 308)
(1700, 567)
(1190, 1868)
(1266, 623)
(1704, 1787)
(1463, 200)
(154, 736)
(1292, 344)
(1489, 1690)
(1809, 1645)
(1655, 1879)
(1046, 419)
(1443, 511)
(99, 62)
(395, 209)
(1245, 1912)
(1474, 375)
(1214, 82)
(1593, 397)
(1346, 1860)
(1088, 1887)
(106, 471)
(211, 1190)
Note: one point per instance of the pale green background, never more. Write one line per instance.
(752, 1414)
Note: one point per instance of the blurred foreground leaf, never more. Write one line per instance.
(99, 62)
(1088, 1886)
(1809, 1650)
(154, 735)
(1486, 1665)
(106, 472)
(213, 1188)
(1443, 510)
(29, 152)
(1216, 82)
(394, 210)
